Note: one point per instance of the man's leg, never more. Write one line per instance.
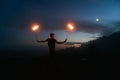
(52, 56)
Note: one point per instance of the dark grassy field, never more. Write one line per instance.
(85, 65)
(26, 65)
(61, 62)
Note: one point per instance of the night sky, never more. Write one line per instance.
(17, 16)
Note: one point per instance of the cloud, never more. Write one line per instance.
(90, 27)
(81, 26)
(60, 24)
(114, 27)
(117, 24)
(64, 46)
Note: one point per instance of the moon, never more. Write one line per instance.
(97, 19)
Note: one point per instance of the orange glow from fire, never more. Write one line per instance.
(35, 27)
(70, 27)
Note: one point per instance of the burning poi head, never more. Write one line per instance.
(35, 27)
(70, 27)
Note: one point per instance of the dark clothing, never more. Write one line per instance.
(51, 45)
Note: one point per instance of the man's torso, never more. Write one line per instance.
(51, 42)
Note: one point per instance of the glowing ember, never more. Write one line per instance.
(35, 27)
(70, 27)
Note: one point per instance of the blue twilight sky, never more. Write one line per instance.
(17, 16)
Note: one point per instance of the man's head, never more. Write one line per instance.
(52, 35)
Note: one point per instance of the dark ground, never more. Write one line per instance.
(82, 66)
(32, 65)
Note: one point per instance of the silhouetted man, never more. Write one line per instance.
(52, 42)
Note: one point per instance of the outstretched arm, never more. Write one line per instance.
(62, 42)
(41, 41)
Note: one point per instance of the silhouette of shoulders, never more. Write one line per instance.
(51, 40)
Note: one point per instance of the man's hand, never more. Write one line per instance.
(62, 42)
(65, 40)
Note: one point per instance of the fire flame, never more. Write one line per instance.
(70, 26)
(35, 27)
